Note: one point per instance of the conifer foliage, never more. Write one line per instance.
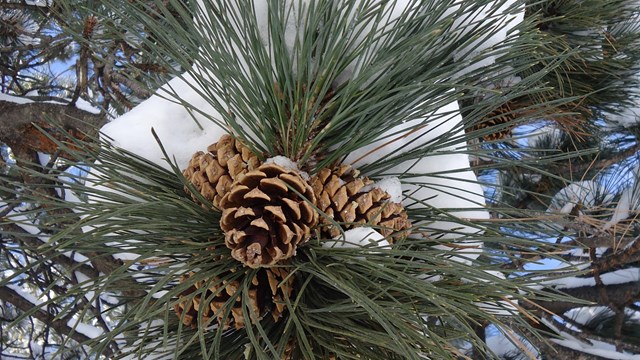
(327, 179)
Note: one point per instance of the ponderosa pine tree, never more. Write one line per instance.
(322, 179)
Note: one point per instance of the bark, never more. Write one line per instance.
(619, 295)
(17, 130)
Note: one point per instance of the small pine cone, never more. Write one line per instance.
(264, 217)
(350, 200)
(212, 172)
(267, 293)
(496, 121)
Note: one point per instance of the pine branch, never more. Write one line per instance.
(17, 120)
(59, 325)
(617, 259)
(619, 295)
(21, 236)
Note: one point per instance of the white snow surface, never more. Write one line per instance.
(180, 135)
(80, 104)
(505, 307)
(89, 331)
(611, 278)
(594, 347)
(503, 20)
(543, 133)
(598, 348)
(283, 161)
(391, 185)
(583, 315)
(629, 202)
(24, 294)
(587, 193)
(86, 106)
(14, 99)
(497, 24)
(627, 116)
(502, 344)
(445, 178)
(358, 237)
(441, 180)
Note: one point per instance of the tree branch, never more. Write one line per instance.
(59, 325)
(619, 295)
(17, 120)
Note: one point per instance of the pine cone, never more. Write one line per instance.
(264, 217)
(496, 121)
(264, 293)
(349, 200)
(212, 172)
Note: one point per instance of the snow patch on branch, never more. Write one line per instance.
(24, 294)
(89, 331)
(14, 99)
(617, 277)
(588, 194)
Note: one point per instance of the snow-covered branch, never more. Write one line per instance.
(17, 119)
(25, 303)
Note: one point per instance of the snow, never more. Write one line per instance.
(360, 237)
(502, 23)
(126, 256)
(24, 294)
(287, 163)
(621, 211)
(86, 106)
(597, 348)
(611, 278)
(79, 258)
(42, 3)
(391, 185)
(587, 193)
(43, 158)
(497, 25)
(14, 99)
(504, 307)
(441, 180)
(629, 201)
(181, 131)
(89, 331)
(627, 115)
(585, 314)
(502, 343)
(159, 294)
(24, 222)
(80, 103)
(85, 283)
(499, 308)
(544, 133)
(283, 161)
(593, 347)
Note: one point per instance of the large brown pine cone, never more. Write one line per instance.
(267, 294)
(349, 200)
(266, 214)
(212, 172)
